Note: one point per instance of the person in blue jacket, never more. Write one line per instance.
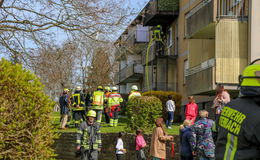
(185, 139)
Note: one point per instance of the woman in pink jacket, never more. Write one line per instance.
(191, 110)
(139, 145)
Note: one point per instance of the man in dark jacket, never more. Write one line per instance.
(239, 123)
(64, 102)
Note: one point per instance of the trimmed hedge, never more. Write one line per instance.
(26, 130)
(142, 112)
(163, 96)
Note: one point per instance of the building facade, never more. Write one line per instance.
(206, 42)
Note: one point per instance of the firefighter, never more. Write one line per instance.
(134, 92)
(89, 137)
(157, 36)
(239, 122)
(106, 108)
(98, 102)
(78, 109)
(114, 101)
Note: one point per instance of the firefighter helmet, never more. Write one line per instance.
(114, 88)
(134, 87)
(91, 113)
(99, 87)
(78, 88)
(251, 75)
(107, 88)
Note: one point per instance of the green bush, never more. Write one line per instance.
(163, 96)
(26, 131)
(142, 111)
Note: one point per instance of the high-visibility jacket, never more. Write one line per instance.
(98, 100)
(89, 136)
(114, 100)
(78, 99)
(134, 94)
(239, 130)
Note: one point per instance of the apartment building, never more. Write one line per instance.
(206, 42)
(128, 54)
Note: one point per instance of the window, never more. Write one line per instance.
(186, 67)
(169, 41)
(169, 38)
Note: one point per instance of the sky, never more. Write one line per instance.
(137, 5)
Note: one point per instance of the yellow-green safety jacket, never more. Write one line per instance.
(98, 100)
(89, 136)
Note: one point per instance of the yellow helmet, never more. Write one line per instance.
(66, 89)
(99, 87)
(91, 113)
(107, 88)
(251, 75)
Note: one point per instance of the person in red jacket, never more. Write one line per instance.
(191, 110)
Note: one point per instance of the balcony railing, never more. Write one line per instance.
(161, 12)
(131, 73)
(232, 9)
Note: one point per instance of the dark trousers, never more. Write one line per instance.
(78, 117)
(106, 112)
(119, 156)
(186, 158)
(89, 155)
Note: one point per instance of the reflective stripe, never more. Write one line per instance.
(78, 109)
(231, 147)
(97, 107)
(76, 122)
(99, 141)
(95, 146)
(79, 132)
(86, 146)
(78, 141)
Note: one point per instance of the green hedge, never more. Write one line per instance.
(163, 96)
(26, 131)
(142, 112)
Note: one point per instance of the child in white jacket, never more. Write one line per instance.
(120, 150)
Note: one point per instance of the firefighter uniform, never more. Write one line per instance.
(89, 138)
(134, 92)
(239, 123)
(98, 103)
(114, 101)
(78, 109)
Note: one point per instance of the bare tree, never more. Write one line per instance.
(99, 73)
(56, 67)
(25, 25)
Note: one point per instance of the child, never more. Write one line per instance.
(120, 151)
(170, 108)
(139, 145)
(185, 140)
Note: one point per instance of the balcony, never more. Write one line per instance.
(130, 74)
(137, 39)
(153, 55)
(161, 12)
(200, 21)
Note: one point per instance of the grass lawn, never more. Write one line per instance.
(106, 129)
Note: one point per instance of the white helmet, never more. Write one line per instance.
(134, 87)
(114, 89)
(78, 88)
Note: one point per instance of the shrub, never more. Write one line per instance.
(26, 131)
(163, 96)
(142, 111)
